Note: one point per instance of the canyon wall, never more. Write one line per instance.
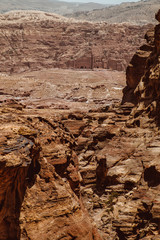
(34, 40)
(64, 174)
(40, 182)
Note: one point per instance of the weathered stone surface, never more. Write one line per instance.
(137, 67)
(147, 91)
(57, 164)
(34, 40)
(39, 179)
(120, 173)
(19, 155)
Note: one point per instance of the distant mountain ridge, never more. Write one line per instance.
(142, 12)
(54, 6)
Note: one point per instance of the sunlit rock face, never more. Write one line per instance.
(85, 175)
(33, 40)
(137, 67)
(147, 91)
(39, 180)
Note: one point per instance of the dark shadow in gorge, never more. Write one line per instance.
(19, 178)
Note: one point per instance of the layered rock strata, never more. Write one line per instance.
(147, 91)
(136, 68)
(31, 40)
(57, 165)
(91, 157)
(39, 179)
(18, 164)
(120, 173)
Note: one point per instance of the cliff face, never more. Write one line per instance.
(146, 86)
(64, 172)
(136, 68)
(18, 164)
(147, 91)
(39, 179)
(35, 40)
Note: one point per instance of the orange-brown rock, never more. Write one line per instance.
(147, 91)
(59, 165)
(136, 69)
(31, 40)
(39, 175)
(120, 174)
(112, 167)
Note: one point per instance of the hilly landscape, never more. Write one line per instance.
(79, 125)
(141, 12)
(54, 6)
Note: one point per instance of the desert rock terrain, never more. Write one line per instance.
(32, 40)
(77, 162)
(57, 89)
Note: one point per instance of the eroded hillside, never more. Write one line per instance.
(54, 6)
(141, 12)
(75, 174)
(36, 40)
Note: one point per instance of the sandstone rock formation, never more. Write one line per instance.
(147, 91)
(34, 40)
(39, 175)
(65, 171)
(18, 164)
(136, 69)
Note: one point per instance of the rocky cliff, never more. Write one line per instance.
(147, 91)
(143, 76)
(39, 179)
(34, 40)
(137, 67)
(66, 173)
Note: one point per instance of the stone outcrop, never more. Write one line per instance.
(120, 176)
(66, 173)
(91, 157)
(39, 180)
(18, 164)
(34, 40)
(147, 91)
(136, 69)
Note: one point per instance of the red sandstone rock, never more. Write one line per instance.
(38, 169)
(137, 67)
(36, 40)
(109, 160)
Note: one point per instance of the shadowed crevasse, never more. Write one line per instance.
(19, 164)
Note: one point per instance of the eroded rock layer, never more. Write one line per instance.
(34, 40)
(39, 179)
(136, 68)
(147, 91)
(92, 158)
(63, 172)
